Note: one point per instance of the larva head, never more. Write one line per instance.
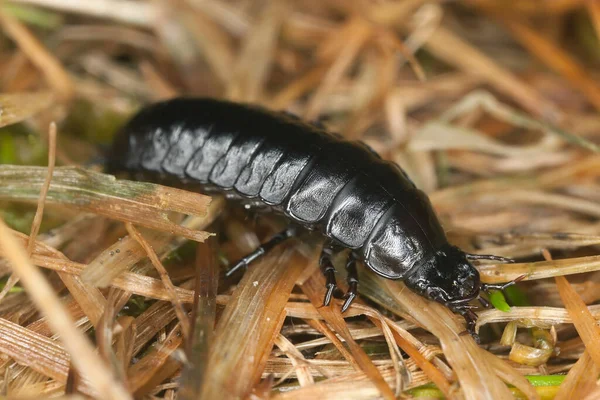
(447, 277)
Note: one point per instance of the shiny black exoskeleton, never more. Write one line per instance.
(341, 189)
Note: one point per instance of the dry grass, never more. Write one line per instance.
(492, 110)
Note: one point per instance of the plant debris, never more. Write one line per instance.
(115, 288)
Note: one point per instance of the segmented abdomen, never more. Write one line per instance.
(337, 187)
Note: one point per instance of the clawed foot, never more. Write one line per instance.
(350, 296)
(471, 319)
(331, 288)
(333, 291)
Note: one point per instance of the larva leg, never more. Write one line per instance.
(282, 236)
(352, 280)
(471, 319)
(328, 270)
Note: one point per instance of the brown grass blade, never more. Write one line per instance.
(450, 48)
(440, 136)
(151, 322)
(580, 380)
(371, 286)
(481, 99)
(164, 277)
(328, 333)
(257, 55)
(495, 273)
(56, 75)
(510, 375)
(203, 318)
(392, 13)
(144, 204)
(19, 106)
(297, 88)
(313, 288)
(105, 335)
(426, 366)
(160, 87)
(594, 394)
(519, 245)
(593, 8)
(392, 331)
(216, 46)
(40, 353)
(125, 340)
(356, 34)
(542, 317)
(39, 212)
(371, 103)
(40, 326)
(126, 252)
(554, 57)
(342, 370)
(478, 380)
(249, 326)
(125, 11)
(10, 283)
(89, 298)
(310, 312)
(119, 257)
(150, 370)
(82, 353)
(584, 321)
(355, 386)
(297, 360)
(445, 199)
(128, 281)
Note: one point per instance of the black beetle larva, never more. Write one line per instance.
(320, 182)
